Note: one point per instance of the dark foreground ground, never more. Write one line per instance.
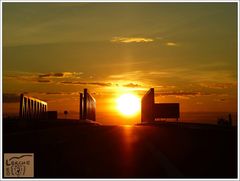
(74, 150)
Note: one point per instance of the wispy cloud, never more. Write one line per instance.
(171, 44)
(125, 75)
(43, 81)
(51, 75)
(132, 39)
(183, 93)
(158, 73)
(178, 93)
(104, 84)
(218, 85)
(132, 85)
(87, 83)
(41, 77)
(60, 74)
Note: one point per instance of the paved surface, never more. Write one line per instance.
(85, 151)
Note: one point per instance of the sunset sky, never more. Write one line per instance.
(186, 51)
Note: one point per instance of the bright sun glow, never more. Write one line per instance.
(128, 104)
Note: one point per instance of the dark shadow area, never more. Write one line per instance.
(74, 149)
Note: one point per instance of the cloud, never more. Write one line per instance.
(218, 85)
(35, 77)
(69, 82)
(171, 44)
(165, 86)
(158, 73)
(21, 76)
(100, 84)
(131, 85)
(131, 40)
(183, 97)
(60, 93)
(182, 93)
(139, 74)
(178, 93)
(51, 75)
(126, 75)
(53, 93)
(106, 84)
(10, 98)
(43, 81)
(60, 75)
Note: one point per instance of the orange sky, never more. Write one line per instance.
(186, 51)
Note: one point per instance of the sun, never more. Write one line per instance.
(128, 104)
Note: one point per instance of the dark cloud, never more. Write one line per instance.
(54, 93)
(10, 98)
(87, 83)
(179, 93)
(61, 93)
(182, 94)
(74, 83)
(51, 75)
(58, 74)
(101, 83)
(43, 81)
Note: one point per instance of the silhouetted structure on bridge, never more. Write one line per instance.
(87, 108)
(32, 108)
(151, 111)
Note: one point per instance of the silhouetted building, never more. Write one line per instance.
(151, 111)
(147, 106)
(31, 108)
(166, 110)
(87, 107)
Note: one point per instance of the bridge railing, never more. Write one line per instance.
(31, 108)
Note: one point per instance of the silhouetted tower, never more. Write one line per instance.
(147, 106)
(81, 107)
(87, 106)
(85, 103)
